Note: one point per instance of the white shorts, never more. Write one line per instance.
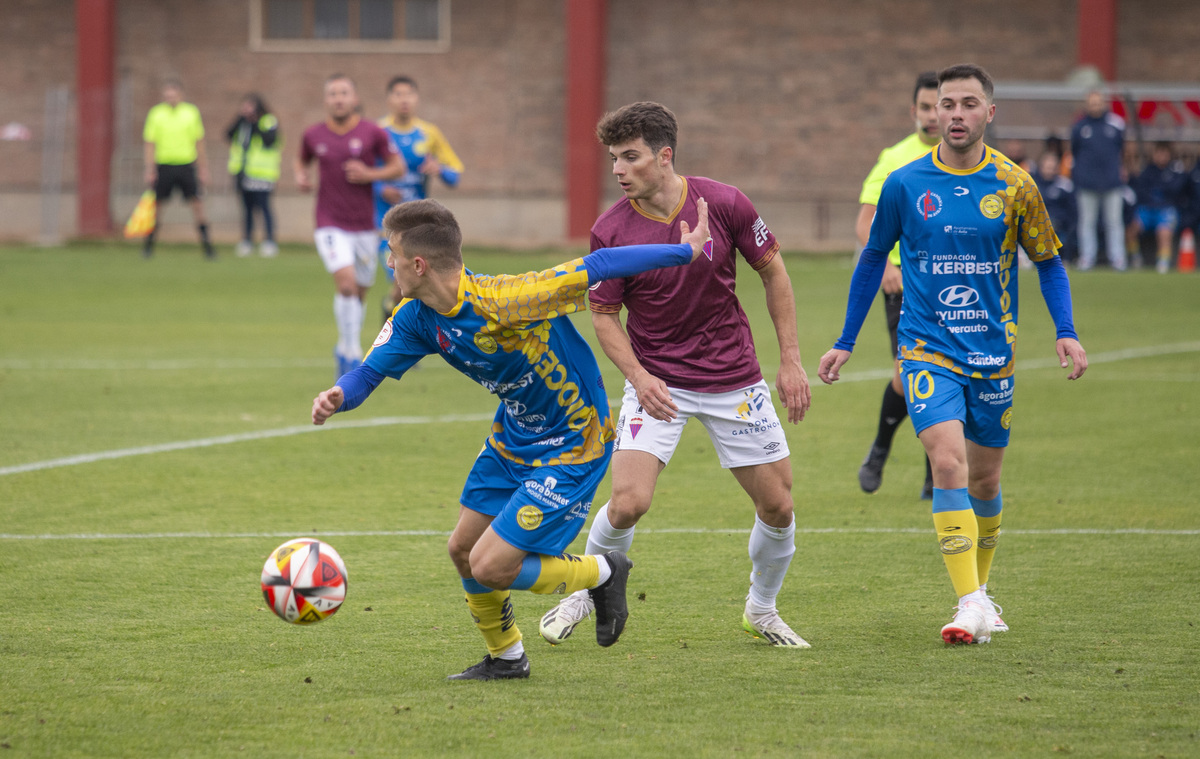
(339, 249)
(742, 425)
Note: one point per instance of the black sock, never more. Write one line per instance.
(892, 411)
(928, 469)
(203, 229)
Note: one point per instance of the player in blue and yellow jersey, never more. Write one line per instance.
(425, 152)
(532, 485)
(893, 411)
(959, 214)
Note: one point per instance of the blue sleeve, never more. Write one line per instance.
(614, 263)
(357, 384)
(868, 275)
(1056, 289)
(450, 176)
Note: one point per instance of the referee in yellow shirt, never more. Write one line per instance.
(893, 410)
(174, 156)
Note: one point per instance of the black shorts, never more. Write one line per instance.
(171, 176)
(891, 308)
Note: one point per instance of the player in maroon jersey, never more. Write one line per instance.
(346, 148)
(686, 351)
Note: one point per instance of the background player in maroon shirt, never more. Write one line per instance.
(686, 351)
(347, 149)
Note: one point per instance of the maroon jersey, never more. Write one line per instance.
(341, 203)
(685, 323)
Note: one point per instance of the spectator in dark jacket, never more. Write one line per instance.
(1097, 141)
(1058, 194)
(1162, 191)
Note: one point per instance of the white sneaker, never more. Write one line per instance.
(998, 624)
(244, 248)
(971, 625)
(774, 630)
(558, 623)
(268, 249)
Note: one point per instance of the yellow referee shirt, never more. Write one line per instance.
(906, 151)
(174, 132)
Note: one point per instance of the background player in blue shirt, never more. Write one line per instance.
(959, 214)
(425, 153)
(531, 487)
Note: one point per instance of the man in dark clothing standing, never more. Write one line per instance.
(1097, 141)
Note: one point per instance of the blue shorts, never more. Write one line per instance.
(935, 395)
(537, 509)
(1158, 218)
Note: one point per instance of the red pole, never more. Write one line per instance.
(95, 33)
(587, 41)
(1098, 36)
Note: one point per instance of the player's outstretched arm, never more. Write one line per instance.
(652, 393)
(326, 404)
(831, 363)
(1069, 348)
(697, 237)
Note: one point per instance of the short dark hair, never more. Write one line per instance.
(427, 229)
(926, 80)
(967, 71)
(401, 80)
(653, 122)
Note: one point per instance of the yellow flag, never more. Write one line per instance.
(141, 221)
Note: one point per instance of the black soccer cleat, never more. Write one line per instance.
(609, 598)
(495, 669)
(870, 474)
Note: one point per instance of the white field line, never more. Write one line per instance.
(88, 458)
(651, 531)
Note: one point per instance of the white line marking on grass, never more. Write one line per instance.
(651, 531)
(383, 421)
(88, 458)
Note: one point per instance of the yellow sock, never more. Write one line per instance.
(957, 534)
(494, 616)
(989, 535)
(557, 574)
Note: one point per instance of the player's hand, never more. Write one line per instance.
(793, 389)
(1069, 348)
(150, 175)
(654, 397)
(326, 404)
(698, 238)
(831, 362)
(893, 282)
(430, 166)
(303, 182)
(356, 171)
(390, 194)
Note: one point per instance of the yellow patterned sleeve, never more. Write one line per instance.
(526, 298)
(1037, 235)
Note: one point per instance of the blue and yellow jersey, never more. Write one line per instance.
(420, 140)
(890, 159)
(958, 232)
(512, 335)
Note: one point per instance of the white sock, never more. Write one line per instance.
(605, 572)
(771, 550)
(603, 537)
(979, 597)
(513, 652)
(348, 312)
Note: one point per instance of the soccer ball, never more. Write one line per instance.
(304, 581)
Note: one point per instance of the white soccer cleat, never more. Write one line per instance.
(998, 624)
(972, 624)
(244, 248)
(774, 630)
(268, 249)
(558, 623)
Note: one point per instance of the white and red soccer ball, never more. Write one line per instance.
(304, 581)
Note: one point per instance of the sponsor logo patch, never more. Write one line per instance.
(384, 335)
(929, 204)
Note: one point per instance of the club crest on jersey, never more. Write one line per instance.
(485, 343)
(384, 335)
(356, 146)
(992, 206)
(929, 204)
(708, 248)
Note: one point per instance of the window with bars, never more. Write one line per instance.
(409, 26)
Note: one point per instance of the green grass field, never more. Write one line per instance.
(155, 447)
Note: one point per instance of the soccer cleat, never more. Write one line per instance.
(558, 623)
(243, 249)
(998, 624)
(971, 625)
(870, 474)
(609, 600)
(495, 669)
(209, 251)
(774, 630)
(268, 249)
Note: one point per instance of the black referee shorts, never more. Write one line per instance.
(171, 176)
(891, 308)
